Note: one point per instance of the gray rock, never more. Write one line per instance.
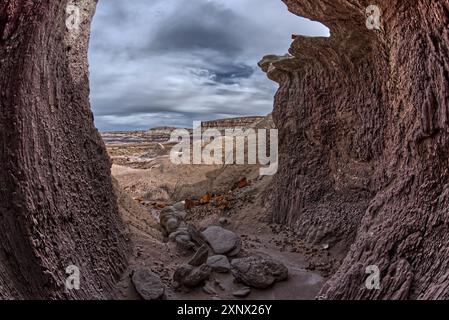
(181, 214)
(178, 232)
(219, 263)
(179, 206)
(195, 234)
(200, 256)
(242, 293)
(235, 251)
(258, 272)
(184, 242)
(169, 221)
(221, 240)
(148, 284)
(171, 224)
(190, 276)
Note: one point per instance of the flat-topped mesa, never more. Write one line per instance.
(364, 134)
(229, 123)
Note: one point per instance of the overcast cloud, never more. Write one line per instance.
(169, 62)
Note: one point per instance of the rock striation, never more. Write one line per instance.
(57, 203)
(364, 139)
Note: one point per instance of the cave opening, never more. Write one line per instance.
(161, 67)
(359, 166)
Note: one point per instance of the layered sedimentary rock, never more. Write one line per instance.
(364, 143)
(57, 204)
(222, 124)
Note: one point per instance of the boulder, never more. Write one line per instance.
(148, 284)
(200, 256)
(242, 293)
(221, 240)
(219, 263)
(190, 277)
(179, 206)
(258, 272)
(169, 221)
(184, 242)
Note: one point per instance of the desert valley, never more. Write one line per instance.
(202, 231)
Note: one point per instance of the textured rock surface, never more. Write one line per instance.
(258, 272)
(219, 264)
(200, 257)
(222, 241)
(148, 284)
(190, 276)
(57, 204)
(363, 120)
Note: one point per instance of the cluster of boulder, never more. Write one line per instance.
(216, 250)
(172, 220)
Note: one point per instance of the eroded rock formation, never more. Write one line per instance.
(363, 119)
(57, 204)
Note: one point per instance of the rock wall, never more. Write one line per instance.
(363, 119)
(57, 205)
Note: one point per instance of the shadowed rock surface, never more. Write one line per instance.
(363, 120)
(57, 203)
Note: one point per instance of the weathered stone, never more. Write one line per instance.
(190, 276)
(235, 251)
(148, 284)
(169, 221)
(179, 206)
(221, 240)
(178, 232)
(258, 272)
(242, 293)
(219, 263)
(184, 242)
(200, 256)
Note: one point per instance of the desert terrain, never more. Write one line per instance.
(228, 199)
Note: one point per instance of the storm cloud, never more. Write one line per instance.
(171, 62)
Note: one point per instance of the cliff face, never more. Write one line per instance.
(57, 205)
(363, 119)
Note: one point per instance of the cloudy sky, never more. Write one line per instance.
(169, 62)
